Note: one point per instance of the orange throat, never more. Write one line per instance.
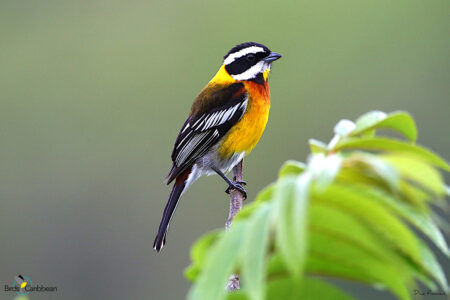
(244, 136)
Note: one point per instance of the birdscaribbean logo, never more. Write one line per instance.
(22, 282)
(23, 286)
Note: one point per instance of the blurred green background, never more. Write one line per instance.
(93, 93)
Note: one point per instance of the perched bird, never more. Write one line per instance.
(225, 123)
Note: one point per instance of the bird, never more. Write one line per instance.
(225, 123)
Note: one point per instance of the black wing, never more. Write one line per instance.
(204, 129)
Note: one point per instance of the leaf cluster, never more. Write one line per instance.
(352, 212)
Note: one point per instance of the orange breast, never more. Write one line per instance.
(244, 136)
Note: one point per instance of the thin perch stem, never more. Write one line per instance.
(236, 200)
(236, 197)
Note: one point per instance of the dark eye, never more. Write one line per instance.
(251, 57)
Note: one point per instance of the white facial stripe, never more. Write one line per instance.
(252, 72)
(233, 56)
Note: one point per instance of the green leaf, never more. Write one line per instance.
(290, 198)
(422, 221)
(424, 271)
(379, 167)
(414, 195)
(368, 120)
(430, 261)
(198, 254)
(317, 146)
(441, 222)
(362, 246)
(291, 167)
(373, 214)
(276, 266)
(324, 168)
(264, 196)
(307, 289)
(347, 228)
(351, 262)
(417, 171)
(237, 295)
(254, 252)
(401, 122)
(361, 174)
(283, 288)
(299, 216)
(344, 127)
(219, 264)
(387, 144)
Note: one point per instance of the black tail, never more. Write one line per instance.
(171, 205)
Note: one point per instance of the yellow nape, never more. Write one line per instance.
(222, 77)
(266, 74)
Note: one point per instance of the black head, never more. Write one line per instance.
(249, 61)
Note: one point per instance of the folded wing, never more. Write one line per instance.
(207, 124)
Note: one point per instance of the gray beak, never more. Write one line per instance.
(272, 57)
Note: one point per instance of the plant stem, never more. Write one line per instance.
(236, 197)
(236, 200)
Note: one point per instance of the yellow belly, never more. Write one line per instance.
(244, 136)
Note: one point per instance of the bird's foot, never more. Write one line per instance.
(237, 185)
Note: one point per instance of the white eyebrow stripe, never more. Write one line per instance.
(232, 57)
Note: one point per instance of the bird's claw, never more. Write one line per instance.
(238, 185)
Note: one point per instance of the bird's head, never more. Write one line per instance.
(249, 61)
